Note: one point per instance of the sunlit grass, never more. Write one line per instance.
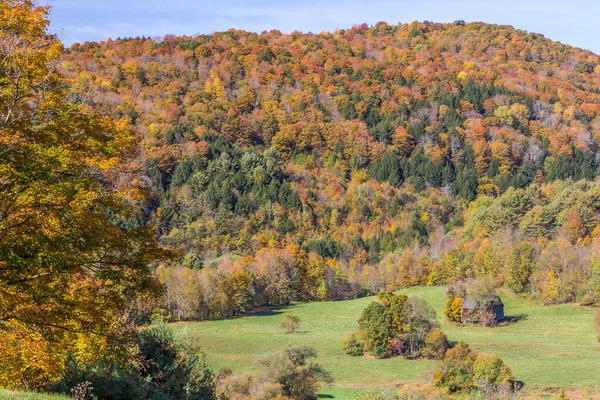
(7, 394)
(546, 347)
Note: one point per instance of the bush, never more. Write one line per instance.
(379, 351)
(456, 371)
(396, 325)
(436, 344)
(455, 293)
(587, 300)
(291, 323)
(491, 375)
(298, 376)
(462, 370)
(231, 387)
(398, 347)
(353, 345)
(286, 376)
(489, 369)
(414, 391)
(163, 370)
(389, 395)
(108, 380)
(453, 310)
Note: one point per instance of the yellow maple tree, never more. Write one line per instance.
(68, 265)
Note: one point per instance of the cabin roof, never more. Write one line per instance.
(468, 304)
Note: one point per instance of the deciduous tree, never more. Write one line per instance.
(67, 264)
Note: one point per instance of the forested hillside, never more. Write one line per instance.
(323, 166)
(151, 180)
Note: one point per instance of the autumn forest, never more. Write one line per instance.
(182, 178)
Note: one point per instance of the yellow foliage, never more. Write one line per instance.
(26, 356)
(214, 86)
(66, 268)
(153, 129)
(462, 75)
(453, 309)
(558, 108)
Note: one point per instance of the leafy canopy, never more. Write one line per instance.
(66, 265)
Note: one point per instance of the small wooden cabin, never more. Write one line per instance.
(470, 310)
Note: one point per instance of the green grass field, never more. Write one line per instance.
(546, 347)
(10, 395)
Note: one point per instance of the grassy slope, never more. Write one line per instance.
(545, 346)
(7, 394)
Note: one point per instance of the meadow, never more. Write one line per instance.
(12, 395)
(546, 347)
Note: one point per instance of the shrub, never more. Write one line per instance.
(353, 345)
(587, 300)
(456, 368)
(489, 369)
(298, 376)
(291, 323)
(286, 376)
(379, 351)
(455, 293)
(389, 395)
(453, 310)
(396, 325)
(108, 380)
(230, 387)
(411, 391)
(436, 344)
(164, 370)
(462, 369)
(398, 347)
(492, 376)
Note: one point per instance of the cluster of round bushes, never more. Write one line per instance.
(463, 369)
(397, 325)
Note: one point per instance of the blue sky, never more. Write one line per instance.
(574, 22)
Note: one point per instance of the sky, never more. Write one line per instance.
(573, 22)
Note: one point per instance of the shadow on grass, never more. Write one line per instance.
(513, 319)
(325, 396)
(268, 311)
(264, 311)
